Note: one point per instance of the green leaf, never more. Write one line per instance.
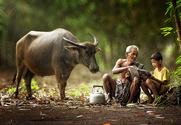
(178, 60)
(169, 8)
(178, 71)
(166, 30)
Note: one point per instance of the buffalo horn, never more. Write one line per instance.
(73, 43)
(94, 38)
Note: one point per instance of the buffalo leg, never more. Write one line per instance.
(62, 93)
(18, 78)
(28, 77)
(59, 82)
(61, 85)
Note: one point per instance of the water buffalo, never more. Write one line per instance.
(52, 53)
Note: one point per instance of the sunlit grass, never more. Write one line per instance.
(22, 87)
(73, 90)
(82, 89)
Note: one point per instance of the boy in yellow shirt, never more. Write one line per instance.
(158, 81)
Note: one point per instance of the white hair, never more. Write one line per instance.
(128, 49)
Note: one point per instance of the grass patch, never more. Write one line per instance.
(82, 89)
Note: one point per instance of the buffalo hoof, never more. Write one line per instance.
(15, 95)
(64, 99)
(30, 98)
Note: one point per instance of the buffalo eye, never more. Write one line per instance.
(88, 52)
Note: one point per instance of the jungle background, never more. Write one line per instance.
(116, 23)
(150, 24)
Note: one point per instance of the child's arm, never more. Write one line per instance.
(165, 82)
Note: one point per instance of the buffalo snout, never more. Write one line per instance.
(94, 69)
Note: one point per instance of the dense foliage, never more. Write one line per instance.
(116, 23)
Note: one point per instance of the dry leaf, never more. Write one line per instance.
(107, 124)
(79, 116)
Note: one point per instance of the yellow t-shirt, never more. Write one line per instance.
(161, 75)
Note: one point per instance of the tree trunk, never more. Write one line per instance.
(177, 21)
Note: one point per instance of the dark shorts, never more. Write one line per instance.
(119, 82)
(122, 92)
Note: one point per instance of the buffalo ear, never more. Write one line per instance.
(71, 48)
(98, 49)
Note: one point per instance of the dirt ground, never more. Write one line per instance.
(63, 114)
(76, 112)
